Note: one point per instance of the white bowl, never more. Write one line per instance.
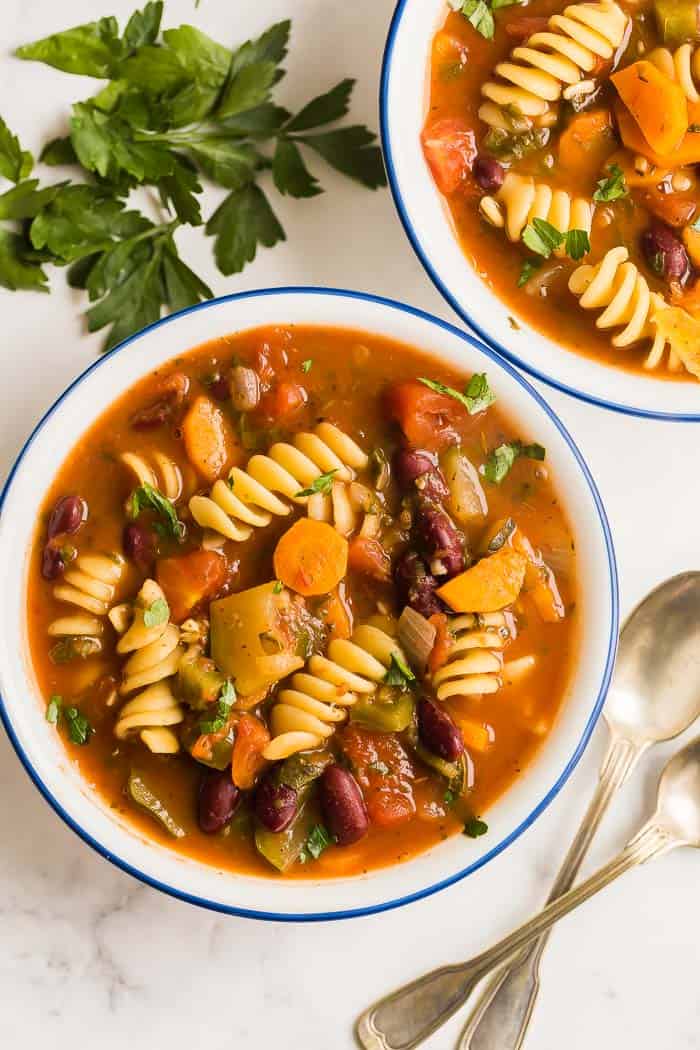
(22, 709)
(403, 106)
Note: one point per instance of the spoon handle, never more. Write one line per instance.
(409, 1015)
(502, 1013)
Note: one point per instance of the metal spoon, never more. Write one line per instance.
(658, 671)
(654, 696)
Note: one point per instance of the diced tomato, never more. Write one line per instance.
(449, 146)
(441, 646)
(288, 398)
(522, 28)
(385, 773)
(189, 579)
(336, 614)
(367, 556)
(428, 419)
(669, 207)
(270, 360)
(252, 737)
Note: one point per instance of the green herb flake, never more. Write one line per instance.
(399, 673)
(529, 269)
(479, 14)
(477, 396)
(79, 728)
(307, 365)
(157, 612)
(222, 710)
(577, 244)
(501, 459)
(145, 497)
(542, 238)
(475, 828)
(323, 483)
(379, 767)
(613, 187)
(278, 588)
(319, 840)
(53, 709)
(449, 797)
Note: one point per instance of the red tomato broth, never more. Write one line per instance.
(461, 61)
(347, 383)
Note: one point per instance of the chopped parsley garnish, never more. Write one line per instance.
(474, 828)
(157, 612)
(222, 710)
(79, 729)
(530, 268)
(319, 840)
(613, 187)
(399, 673)
(53, 709)
(145, 497)
(323, 483)
(479, 13)
(449, 797)
(543, 238)
(307, 365)
(278, 588)
(477, 396)
(501, 459)
(379, 767)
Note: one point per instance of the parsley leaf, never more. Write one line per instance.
(350, 151)
(542, 238)
(479, 14)
(323, 483)
(157, 612)
(305, 365)
(530, 268)
(477, 395)
(17, 270)
(501, 459)
(222, 709)
(91, 50)
(240, 224)
(449, 797)
(577, 244)
(323, 109)
(53, 709)
(474, 828)
(15, 163)
(318, 840)
(278, 588)
(145, 497)
(399, 673)
(79, 728)
(613, 187)
(289, 172)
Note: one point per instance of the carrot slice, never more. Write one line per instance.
(311, 557)
(210, 442)
(587, 143)
(252, 737)
(489, 586)
(657, 103)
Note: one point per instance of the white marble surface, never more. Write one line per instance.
(87, 954)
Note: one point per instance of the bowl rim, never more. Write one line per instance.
(250, 913)
(424, 258)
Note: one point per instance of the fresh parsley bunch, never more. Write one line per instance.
(178, 108)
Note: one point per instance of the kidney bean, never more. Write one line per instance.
(244, 388)
(414, 467)
(664, 252)
(68, 515)
(343, 806)
(173, 392)
(218, 388)
(488, 173)
(52, 563)
(438, 732)
(218, 800)
(415, 586)
(275, 804)
(138, 544)
(441, 538)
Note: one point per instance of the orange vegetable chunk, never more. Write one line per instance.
(210, 442)
(188, 580)
(252, 737)
(587, 143)
(311, 557)
(367, 556)
(657, 103)
(489, 586)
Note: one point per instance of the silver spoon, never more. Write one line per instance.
(655, 695)
(667, 623)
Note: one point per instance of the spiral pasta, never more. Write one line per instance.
(308, 711)
(475, 659)
(155, 657)
(554, 63)
(155, 469)
(249, 501)
(521, 199)
(616, 286)
(90, 584)
(681, 65)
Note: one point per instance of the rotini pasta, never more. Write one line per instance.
(615, 286)
(521, 199)
(157, 470)
(90, 584)
(475, 659)
(156, 653)
(249, 499)
(554, 63)
(681, 65)
(308, 712)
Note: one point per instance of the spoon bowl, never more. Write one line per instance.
(678, 809)
(655, 692)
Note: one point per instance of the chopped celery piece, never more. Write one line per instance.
(141, 794)
(388, 711)
(300, 770)
(677, 20)
(199, 683)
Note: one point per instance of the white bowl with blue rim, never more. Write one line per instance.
(426, 219)
(22, 707)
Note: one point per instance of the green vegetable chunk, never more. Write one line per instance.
(677, 20)
(388, 711)
(282, 848)
(141, 794)
(199, 682)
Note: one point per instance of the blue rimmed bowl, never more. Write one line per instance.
(21, 706)
(426, 219)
